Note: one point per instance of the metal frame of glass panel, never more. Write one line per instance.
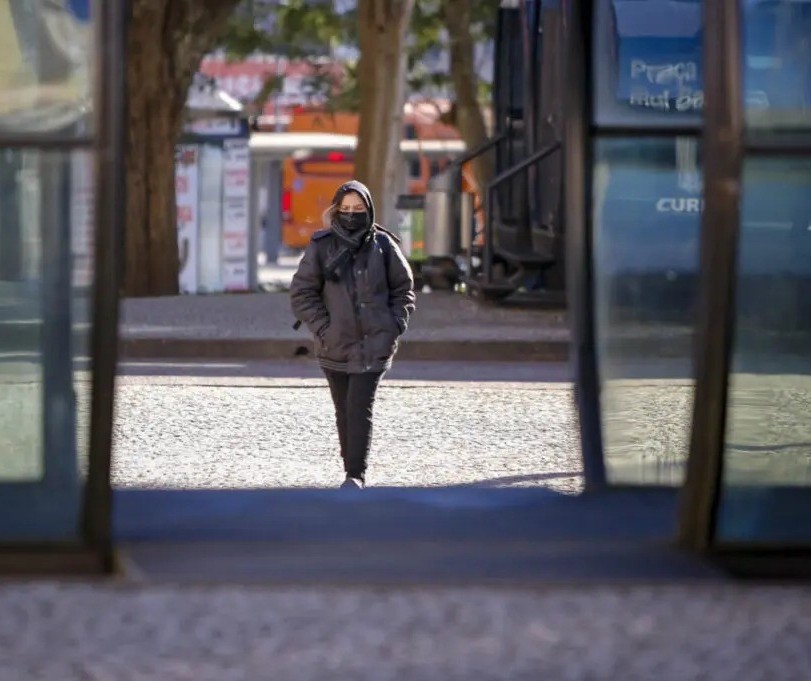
(586, 97)
(729, 144)
(92, 551)
(723, 138)
(577, 201)
(582, 132)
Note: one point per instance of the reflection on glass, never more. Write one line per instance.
(45, 279)
(767, 464)
(647, 212)
(648, 57)
(648, 62)
(45, 65)
(20, 318)
(777, 62)
(82, 244)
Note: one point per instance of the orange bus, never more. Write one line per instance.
(310, 176)
(309, 181)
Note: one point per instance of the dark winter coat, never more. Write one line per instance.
(357, 320)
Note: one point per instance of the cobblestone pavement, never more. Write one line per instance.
(83, 632)
(271, 425)
(278, 430)
(20, 422)
(647, 427)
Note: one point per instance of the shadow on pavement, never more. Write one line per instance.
(516, 479)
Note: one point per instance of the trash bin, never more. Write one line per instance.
(444, 228)
(441, 234)
(411, 228)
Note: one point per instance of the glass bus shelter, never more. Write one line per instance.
(687, 204)
(689, 224)
(61, 115)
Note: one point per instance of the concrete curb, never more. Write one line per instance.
(418, 350)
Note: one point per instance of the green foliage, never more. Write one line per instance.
(297, 29)
(310, 31)
(304, 30)
(242, 39)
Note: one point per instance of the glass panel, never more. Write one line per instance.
(46, 67)
(649, 66)
(647, 62)
(82, 245)
(767, 465)
(21, 318)
(647, 214)
(777, 62)
(45, 278)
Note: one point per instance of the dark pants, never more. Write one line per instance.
(354, 396)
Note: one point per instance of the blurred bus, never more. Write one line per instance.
(310, 177)
(314, 164)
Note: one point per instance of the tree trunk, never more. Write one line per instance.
(166, 41)
(382, 27)
(469, 117)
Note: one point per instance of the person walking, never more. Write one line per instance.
(354, 290)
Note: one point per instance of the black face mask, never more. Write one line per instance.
(353, 222)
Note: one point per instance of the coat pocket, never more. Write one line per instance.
(321, 341)
(333, 345)
(384, 344)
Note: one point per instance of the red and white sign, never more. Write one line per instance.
(245, 79)
(187, 193)
(235, 232)
(235, 217)
(235, 276)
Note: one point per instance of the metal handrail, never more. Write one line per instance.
(507, 174)
(459, 161)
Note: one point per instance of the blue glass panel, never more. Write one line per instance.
(647, 214)
(777, 62)
(659, 54)
(648, 62)
(80, 9)
(46, 273)
(767, 465)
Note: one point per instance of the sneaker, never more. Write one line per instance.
(352, 483)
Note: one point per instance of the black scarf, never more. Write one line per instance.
(349, 244)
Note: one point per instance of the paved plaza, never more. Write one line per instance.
(682, 632)
(435, 425)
